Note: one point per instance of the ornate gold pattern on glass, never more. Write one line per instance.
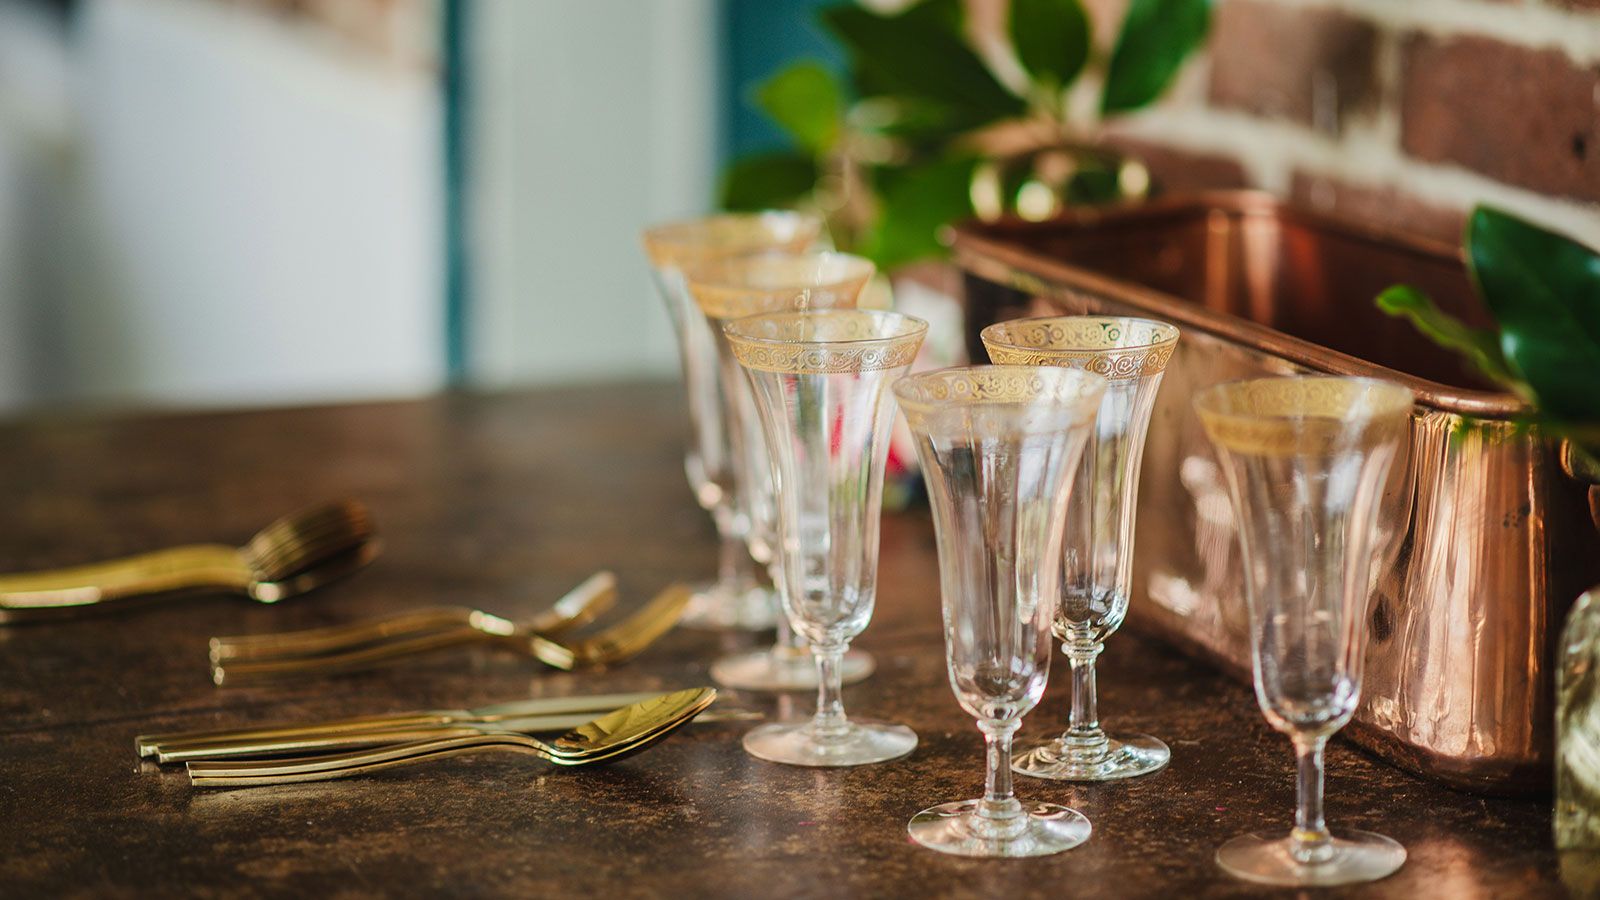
(1113, 346)
(930, 392)
(682, 244)
(801, 344)
(738, 286)
(1290, 416)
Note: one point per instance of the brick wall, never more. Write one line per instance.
(1399, 112)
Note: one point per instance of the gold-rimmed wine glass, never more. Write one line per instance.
(1306, 459)
(735, 598)
(1097, 556)
(821, 383)
(998, 445)
(732, 288)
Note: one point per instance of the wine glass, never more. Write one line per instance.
(1306, 459)
(821, 380)
(732, 288)
(735, 599)
(1096, 560)
(998, 445)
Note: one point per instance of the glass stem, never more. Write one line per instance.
(733, 562)
(1310, 841)
(999, 814)
(1084, 740)
(829, 722)
(788, 647)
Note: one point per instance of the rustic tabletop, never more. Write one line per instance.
(503, 503)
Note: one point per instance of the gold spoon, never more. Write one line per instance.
(616, 734)
(290, 556)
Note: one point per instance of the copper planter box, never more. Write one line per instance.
(1485, 539)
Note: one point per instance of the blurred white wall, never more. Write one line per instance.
(270, 207)
(207, 203)
(249, 212)
(36, 188)
(590, 120)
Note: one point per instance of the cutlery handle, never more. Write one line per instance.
(176, 568)
(157, 744)
(251, 773)
(323, 743)
(349, 661)
(331, 638)
(310, 743)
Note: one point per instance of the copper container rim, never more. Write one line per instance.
(993, 257)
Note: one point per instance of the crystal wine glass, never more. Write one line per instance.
(821, 385)
(1306, 459)
(735, 599)
(1096, 560)
(998, 445)
(733, 288)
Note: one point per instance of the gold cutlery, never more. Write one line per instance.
(288, 557)
(577, 607)
(150, 744)
(608, 646)
(355, 739)
(612, 736)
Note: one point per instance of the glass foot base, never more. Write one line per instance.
(723, 607)
(1125, 756)
(1265, 859)
(796, 744)
(783, 669)
(955, 828)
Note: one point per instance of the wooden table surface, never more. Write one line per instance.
(502, 503)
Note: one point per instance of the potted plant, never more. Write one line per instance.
(923, 131)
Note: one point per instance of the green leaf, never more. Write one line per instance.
(916, 56)
(807, 102)
(1479, 345)
(951, 15)
(1156, 37)
(1544, 291)
(1051, 38)
(917, 203)
(920, 123)
(768, 180)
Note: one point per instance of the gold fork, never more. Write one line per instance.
(578, 607)
(611, 645)
(290, 556)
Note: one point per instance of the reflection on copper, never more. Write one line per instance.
(1486, 540)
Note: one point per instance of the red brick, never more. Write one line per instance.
(1305, 64)
(1182, 170)
(1526, 117)
(1380, 207)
